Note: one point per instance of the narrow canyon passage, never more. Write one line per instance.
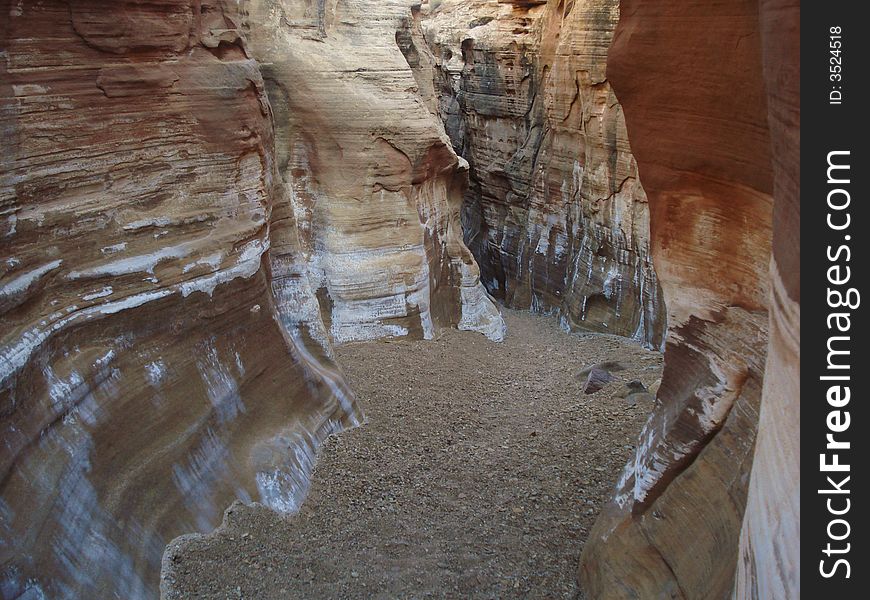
(479, 473)
(217, 219)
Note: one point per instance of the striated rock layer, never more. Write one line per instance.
(148, 377)
(709, 158)
(162, 350)
(769, 561)
(555, 213)
(372, 180)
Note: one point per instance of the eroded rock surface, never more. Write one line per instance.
(149, 377)
(372, 180)
(163, 351)
(555, 213)
(707, 163)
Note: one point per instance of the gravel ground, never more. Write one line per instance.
(479, 474)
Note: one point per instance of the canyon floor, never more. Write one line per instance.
(478, 474)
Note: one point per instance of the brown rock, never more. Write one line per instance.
(555, 214)
(704, 155)
(596, 379)
(148, 373)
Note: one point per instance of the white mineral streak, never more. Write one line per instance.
(421, 298)
(155, 372)
(82, 540)
(21, 283)
(239, 365)
(144, 263)
(114, 248)
(247, 266)
(654, 455)
(206, 465)
(221, 386)
(358, 319)
(296, 304)
(212, 260)
(285, 487)
(16, 354)
(479, 313)
(148, 222)
(64, 392)
(106, 291)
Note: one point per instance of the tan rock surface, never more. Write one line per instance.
(371, 177)
(147, 381)
(555, 213)
(707, 163)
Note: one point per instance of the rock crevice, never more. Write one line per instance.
(554, 214)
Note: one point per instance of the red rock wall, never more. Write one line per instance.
(691, 77)
(769, 564)
(148, 377)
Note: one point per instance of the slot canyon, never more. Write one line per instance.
(382, 298)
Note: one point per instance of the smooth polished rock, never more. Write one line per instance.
(712, 163)
(150, 375)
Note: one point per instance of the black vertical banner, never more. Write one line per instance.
(835, 420)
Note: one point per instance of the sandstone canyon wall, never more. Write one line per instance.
(769, 561)
(373, 183)
(710, 159)
(163, 349)
(555, 213)
(149, 376)
(199, 197)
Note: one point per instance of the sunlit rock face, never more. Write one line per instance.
(708, 159)
(555, 213)
(157, 359)
(372, 180)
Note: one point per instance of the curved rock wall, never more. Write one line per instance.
(707, 163)
(174, 273)
(146, 379)
(371, 177)
(769, 561)
(555, 213)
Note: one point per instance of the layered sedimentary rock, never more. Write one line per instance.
(555, 213)
(769, 561)
(147, 380)
(704, 155)
(372, 180)
(162, 350)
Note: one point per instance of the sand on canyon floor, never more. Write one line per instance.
(478, 474)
